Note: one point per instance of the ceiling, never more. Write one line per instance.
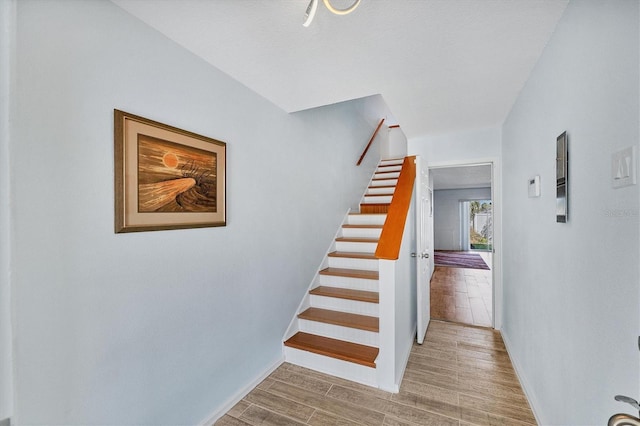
(441, 65)
(462, 177)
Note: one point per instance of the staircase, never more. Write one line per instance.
(336, 330)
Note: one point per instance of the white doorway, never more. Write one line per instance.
(463, 287)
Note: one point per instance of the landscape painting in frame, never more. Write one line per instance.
(166, 178)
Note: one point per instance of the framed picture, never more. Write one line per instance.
(165, 177)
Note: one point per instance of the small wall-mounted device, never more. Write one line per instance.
(623, 167)
(534, 186)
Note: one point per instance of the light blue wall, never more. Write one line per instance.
(7, 55)
(571, 290)
(446, 215)
(459, 147)
(156, 327)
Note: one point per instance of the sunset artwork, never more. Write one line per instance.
(165, 177)
(175, 178)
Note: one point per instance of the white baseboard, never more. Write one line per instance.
(524, 384)
(231, 402)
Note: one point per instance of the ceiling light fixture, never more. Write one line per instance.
(313, 7)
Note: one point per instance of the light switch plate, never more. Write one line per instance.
(623, 167)
(534, 186)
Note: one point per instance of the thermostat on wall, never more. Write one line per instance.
(534, 186)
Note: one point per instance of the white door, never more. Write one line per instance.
(424, 246)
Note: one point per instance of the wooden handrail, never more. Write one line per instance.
(370, 142)
(391, 236)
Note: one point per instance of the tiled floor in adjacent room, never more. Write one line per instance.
(462, 295)
(461, 376)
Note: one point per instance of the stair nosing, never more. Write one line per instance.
(350, 273)
(357, 240)
(301, 341)
(346, 294)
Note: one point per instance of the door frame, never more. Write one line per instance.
(496, 196)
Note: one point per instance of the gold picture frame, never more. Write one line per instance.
(165, 177)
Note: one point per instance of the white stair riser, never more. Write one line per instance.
(348, 334)
(346, 282)
(380, 191)
(394, 161)
(393, 175)
(377, 199)
(351, 263)
(361, 232)
(366, 219)
(336, 367)
(344, 305)
(384, 182)
(356, 247)
(389, 168)
(350, 283)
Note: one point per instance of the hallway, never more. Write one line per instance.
(461, 376)
(463, 295)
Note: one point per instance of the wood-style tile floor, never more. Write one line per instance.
(461, 376)
(462, 295)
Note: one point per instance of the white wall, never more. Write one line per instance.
(7, 58)
(458, 147)
(395, 144)
(398, 309)
(156, 327)
(571, 290)
(406, 311)
(446, 215)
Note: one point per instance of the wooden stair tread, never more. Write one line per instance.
(353, 255)
(363, 226)
(350, 273)
(356, 240)
(346, 293)
(339, 349)
(381, 186)
(385, 178)
(345, 319)
(381, 172)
